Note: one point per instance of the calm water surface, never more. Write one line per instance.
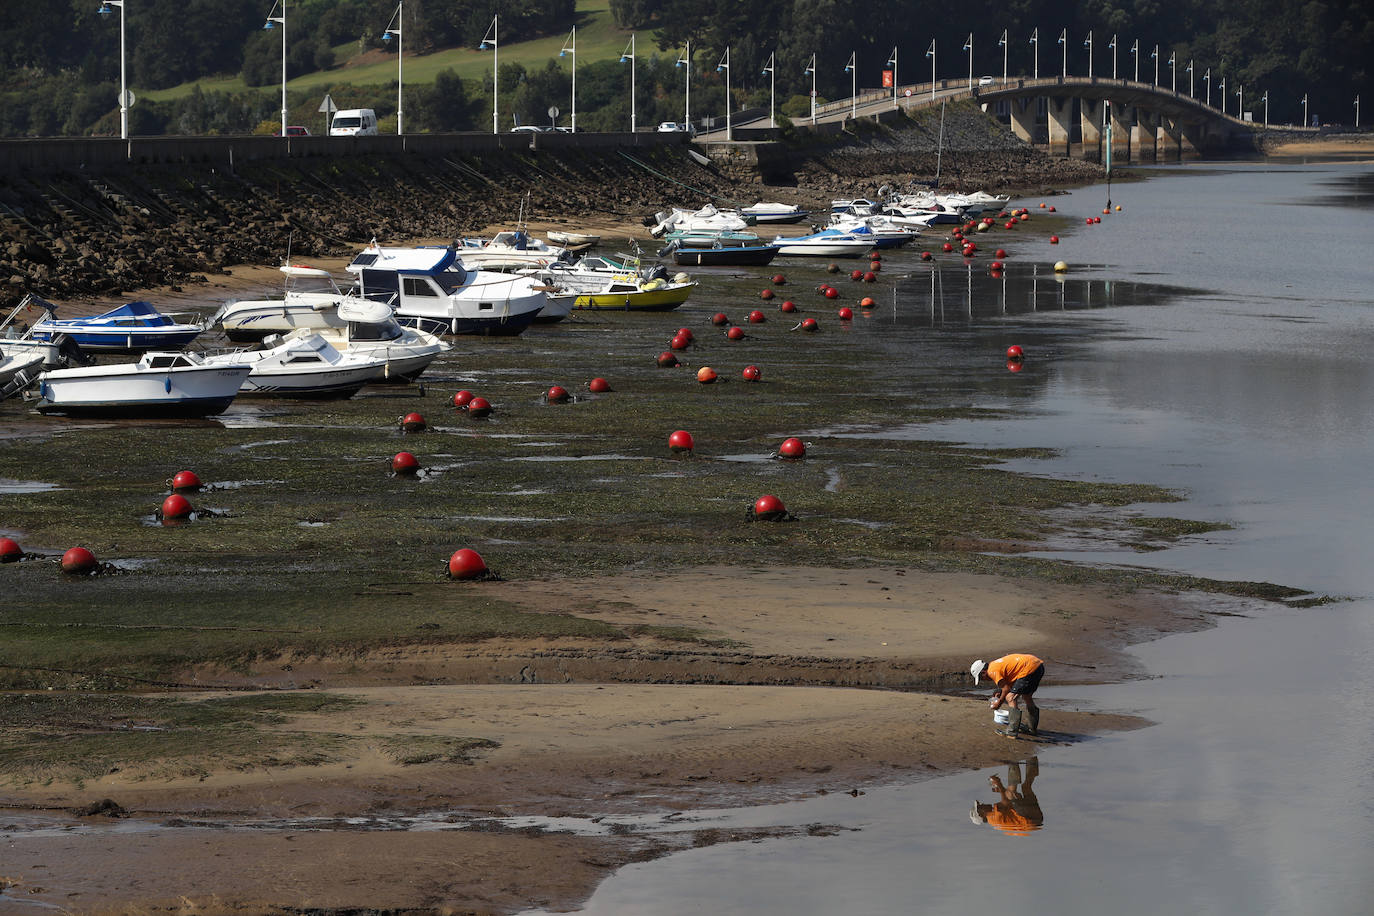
(1214, 337)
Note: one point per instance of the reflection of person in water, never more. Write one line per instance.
(1018, 813)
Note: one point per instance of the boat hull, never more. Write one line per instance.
(649, 300)
(825, 249)
(753, 256)
(201, 391)
(458, 325)
(120, 341)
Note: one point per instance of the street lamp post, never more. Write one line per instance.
(1112, 44)
(1135, 56)
(772, 84)
(1155, 54)
(490, 41)
(1357, 109)
(1173, 71)
(123, 85)
(968, 46)
(811, 68)
(725, 65)
(1304, 109)
(892, 62)
(852, 70)
(930, 52)
(629, 54)
(1191, 93)
(1003, 42)
(400, 58)
(570, 47)
(268, 26)
(685, 62)
(1207, 78)
(1064, 43)
(1035, 40)
(1265, 100)
(1088, 43)
(1223, 95)
(1240, 105)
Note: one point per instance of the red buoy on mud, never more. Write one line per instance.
(462, 398)
(1088, 221)
(792, 447)
(809, 324)
(598, 385)
(856, 275)
(1054, 240)
(78, 560)
(1000, 253)
(679, 342)
(413, 422)
(947, 247)
(719, 319)
(9, 551)
(735, 333)
(185, 482)
(870, 277)
(788, 306)
(466, 564)
(757, 317)
(925, 256)
(681, 441)
(751, 374)
(401, 463)
(1042, 205)
(667, 360)
(769, 508)
(1024, 216)
(765, 293)
(779, 279)
(176, 506)
(1015, 352)
(706, 375)
(557, 394)
(479, 407)
(832, 293)
(875, 266)
(847, 313)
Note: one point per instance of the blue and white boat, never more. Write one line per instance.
(430, 289)
(828, 243)
(158, 385)
(133, 328)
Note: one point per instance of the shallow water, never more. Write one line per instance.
(1211, 338)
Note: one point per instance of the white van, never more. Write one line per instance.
(354, 122)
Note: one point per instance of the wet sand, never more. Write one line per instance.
(572, 746)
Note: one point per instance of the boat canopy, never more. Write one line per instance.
(301, 270)
(364, 311)
(425, 260)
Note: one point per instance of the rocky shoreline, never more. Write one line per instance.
(75, 235)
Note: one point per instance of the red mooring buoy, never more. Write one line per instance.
(557, 394)
(751, 373)
(598, 385)
(735, 333)
(78, 560)
(757, 317)
(185, 482)
(792, 447)
(1000, 253)
(779, 279)
(1015, 352)
(479, 407)
(947, 247)
(413, 422)
(1054, 240)
(176, 506)
(769, 508)
(846, 313)
(10, 551)
(832, 293)
(466, 564)
(667, 360)
(810, 324)
(681, 441)
(765, 293)
(788, 306)
(687, 333)
(706, 375)
(870, 277)
(405, 463)
(462, 399)
(679, 342)
(856, 275)
(719, 319)
(925, 256)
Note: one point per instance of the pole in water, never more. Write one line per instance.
(1107, 116)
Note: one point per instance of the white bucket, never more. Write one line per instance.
(1001, 716)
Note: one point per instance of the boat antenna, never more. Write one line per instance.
(520, 223)
(940, 146)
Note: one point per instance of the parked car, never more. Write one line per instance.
(527, 129)
(986, 81)
(676, 126)
(293, 130)
(354, 122)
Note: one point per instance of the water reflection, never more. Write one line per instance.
(1017, 810)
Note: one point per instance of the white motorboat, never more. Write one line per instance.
(158, 385)
(827, 243)
(573, 241)
(772, 212)
(18, 369)
(432, 290)
(510, 250)
(310, 301)
(302, 367)
(885, 233)
(371, 329)
(707, 218)
(592, 274)
(855, 206)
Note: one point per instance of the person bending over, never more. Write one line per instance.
(1016, 677)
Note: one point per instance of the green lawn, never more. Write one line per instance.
(598, 38)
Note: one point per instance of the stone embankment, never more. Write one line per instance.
(72, 235)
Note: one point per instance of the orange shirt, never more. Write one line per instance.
(1009, 668)
(1007, 819)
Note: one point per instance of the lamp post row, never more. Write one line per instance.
(490, 40)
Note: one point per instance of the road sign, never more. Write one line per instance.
(327, 106)
(126, 98)
(907, 93)
(553, 111)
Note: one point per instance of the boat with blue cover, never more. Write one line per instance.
(132, 328)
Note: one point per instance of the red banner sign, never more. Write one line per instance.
(887, 79)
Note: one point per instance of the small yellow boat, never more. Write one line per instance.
(631, 295)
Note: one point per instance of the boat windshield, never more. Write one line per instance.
(451, 280)
(386, 330)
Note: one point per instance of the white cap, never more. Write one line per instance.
(973, 815)
(976, 669)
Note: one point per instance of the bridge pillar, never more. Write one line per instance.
(1123, 116)
(1167, 144)
(1090, 122)
(1023, 119)
(1190, 141)
(1061, 125)
(1143, 136)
